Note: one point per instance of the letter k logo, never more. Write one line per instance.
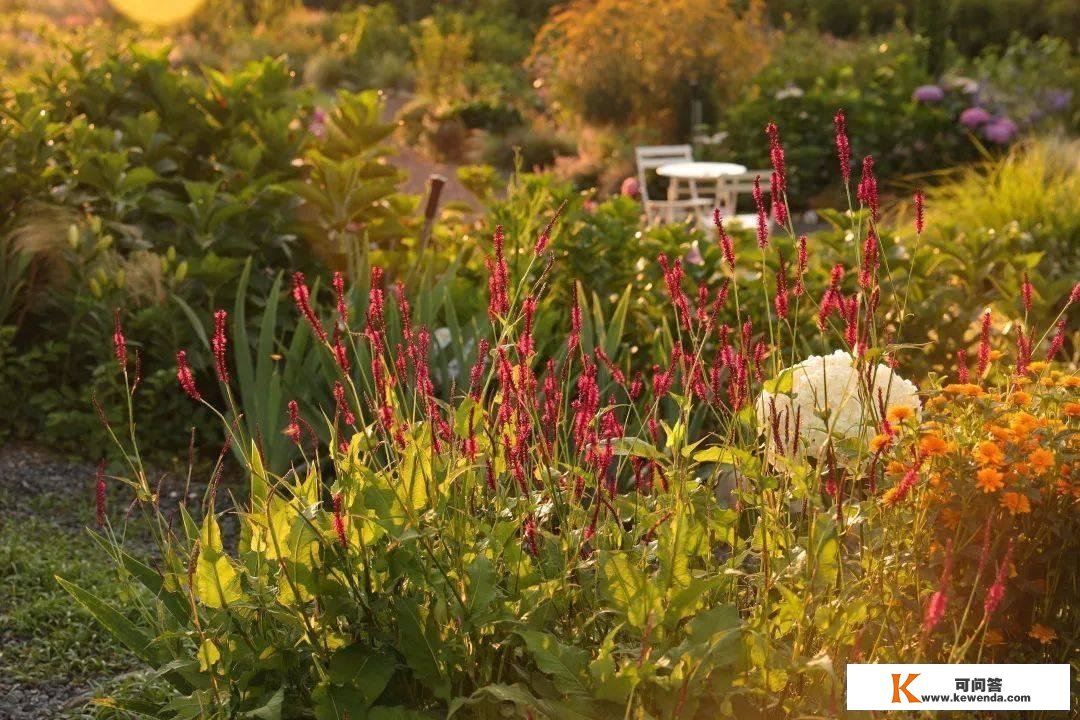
(897, 688)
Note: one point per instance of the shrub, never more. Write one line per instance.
(551, 534)
(643, 59)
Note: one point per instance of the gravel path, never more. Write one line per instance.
(25, 473)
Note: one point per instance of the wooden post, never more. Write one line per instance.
(435, 187)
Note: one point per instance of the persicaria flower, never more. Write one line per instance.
(762, 217)
(119, 344)
(339, 521)
(185, 378)
(99, 493)
(343, 404)
(996, 592)
(727, 246)
(1057, 341)
(984, 343)
(843, 148)
(867, 191)
(1025, 293)
(219, 344)
(800, 272)
(920, 219)
(302, 298)
(339, 292)
(293, 428)
(868, 271)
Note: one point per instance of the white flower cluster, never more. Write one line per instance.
(830, 397)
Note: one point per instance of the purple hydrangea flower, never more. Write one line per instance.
(973, 117)
(1000, 131)
(928, 94)
(693, 256)
(1058, 99)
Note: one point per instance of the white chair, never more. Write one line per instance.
(736, 185)
(682, 202)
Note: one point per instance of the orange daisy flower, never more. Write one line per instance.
(930, 445)
(1042, 460)
(1071, 381)
(899, 414)
(880, 442)
(989, 480)
(1072, 409)
(966, 389)
(988, 453)
(1021, 398)
(1037, 367)
(1016, 503)
(1042, 633)
(992, 638)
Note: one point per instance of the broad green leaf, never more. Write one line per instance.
(627, 587)
(636, 447)
(419, 648)
(208, 655)
(360, 667)
(114, 621)
(271, 709)
(566, 664)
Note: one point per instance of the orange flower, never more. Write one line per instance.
(880, 442)
(930, 445)
(1072, 409)
(988, 453)
(1037, 367)
(1042, 460)
(967, 389)
(989, 480)
(895, 467)
(1021, 398)
(950, 518)
(1070, 381)
(1043, 634)
(992, 638)
(1024, 424)
(1000, 434)
(899, 414)
(1016, 503)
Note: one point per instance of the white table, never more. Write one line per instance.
(693, 172)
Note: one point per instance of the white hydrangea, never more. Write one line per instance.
(830, 399)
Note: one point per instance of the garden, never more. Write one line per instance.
(545, 359)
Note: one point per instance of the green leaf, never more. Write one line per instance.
(566, 664)
(636, 447)
(271, 710)
(627, 587)
(362, 668)
(419, 649)
(113, 621)
(216, 581)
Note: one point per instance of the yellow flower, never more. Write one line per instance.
(899, 414)
(1020, 398)
(1042, 460)
(1016, 503)
(968, 389)
(989, 480)
(880, 442)
(930, 445)
(996, 354)
(1038, 366)
(988, 453)
(1043, 634)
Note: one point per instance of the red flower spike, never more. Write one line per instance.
(1025, 293)
(1057, 341)
(867, 191)
(339, 521)
(920, 216)
(762, 216)
(339, 293)
(727, 246)
(119, 344)
(185, 378)
(961, 365)
(343, 404)
(293, 429)
(984, 344)
(843, 147)
(219, 344)
(99, 493)
(996, 592)
(302, 298)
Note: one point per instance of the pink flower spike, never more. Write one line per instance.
(218, 345)
(920, 219)
(119, 344)
(185, 378)
(843, 148)
(99, 493)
